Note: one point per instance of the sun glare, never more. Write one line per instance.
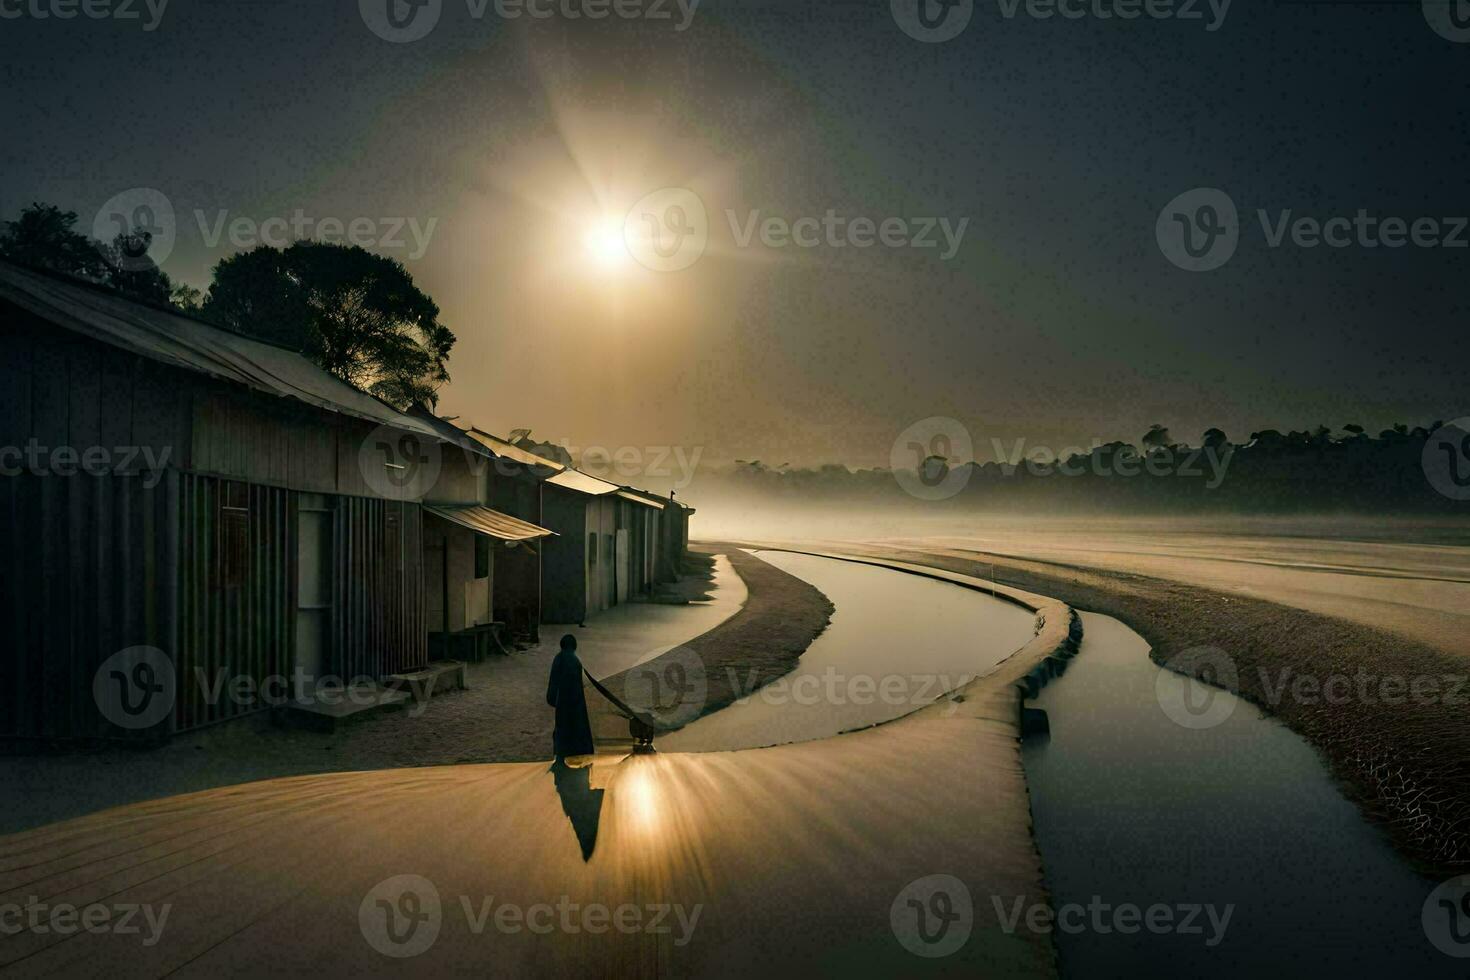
(606, 247)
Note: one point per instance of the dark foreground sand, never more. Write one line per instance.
(1405, 759)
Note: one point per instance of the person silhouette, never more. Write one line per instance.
(580, 802)
(573, 733)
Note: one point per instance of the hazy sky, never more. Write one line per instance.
(1059, 319)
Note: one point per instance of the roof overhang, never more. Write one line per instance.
(582, 483)
(639, 498)
(492, 523)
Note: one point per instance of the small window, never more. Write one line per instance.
(592, 548)
(482, 556)
(233, 530)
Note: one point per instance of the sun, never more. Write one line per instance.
(605, 246)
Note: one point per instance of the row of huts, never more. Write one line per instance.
(172, 487)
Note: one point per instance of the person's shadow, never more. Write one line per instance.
(580, 802)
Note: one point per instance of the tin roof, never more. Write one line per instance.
(511, 451)
(638, 497)
(193, 345)
(582, 483)
(483, 520)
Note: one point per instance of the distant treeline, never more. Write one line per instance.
(1273, 471)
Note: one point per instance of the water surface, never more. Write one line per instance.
(896, 643)
(1131, 807)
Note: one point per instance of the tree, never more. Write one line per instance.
(44, 237)
(1157, 437)
(356, 314)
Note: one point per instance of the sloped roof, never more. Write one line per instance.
(483, 520)
(511, 451)
(183, 342)
(582, 483)
(640, 498)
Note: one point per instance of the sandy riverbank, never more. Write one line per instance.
(1405, 761)
(804, 858)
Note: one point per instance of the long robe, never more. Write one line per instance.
(573, 734)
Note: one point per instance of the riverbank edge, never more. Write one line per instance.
(996, 699)
(759, 644)
(1406, 767)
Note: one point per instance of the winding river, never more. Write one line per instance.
(896, 643)
(1129, 806)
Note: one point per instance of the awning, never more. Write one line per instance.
(582, 483)
(483, 520)
(638, 498)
